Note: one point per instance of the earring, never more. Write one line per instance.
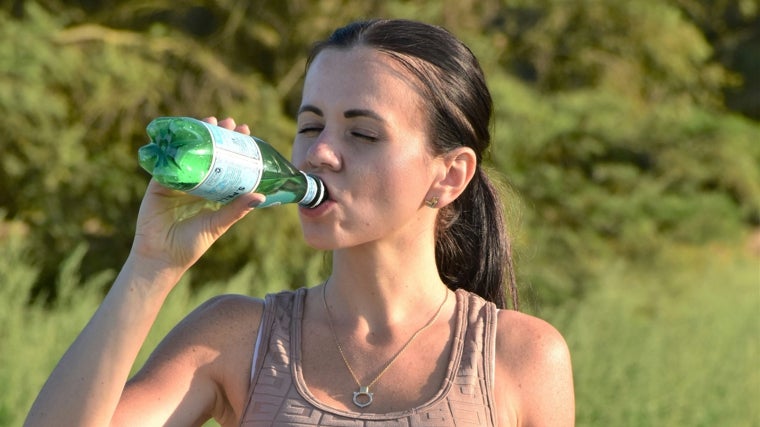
(431, 202)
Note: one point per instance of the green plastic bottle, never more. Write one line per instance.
(219, 164)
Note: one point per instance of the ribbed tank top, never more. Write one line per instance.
(279, 396)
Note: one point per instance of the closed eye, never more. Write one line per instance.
(367, 137)
(310, 130)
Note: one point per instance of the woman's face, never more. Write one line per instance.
(363, 130)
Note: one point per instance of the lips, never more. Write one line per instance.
(320, 209)
(317, 211)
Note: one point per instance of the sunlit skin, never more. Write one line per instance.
(382, 237)
(362, 129)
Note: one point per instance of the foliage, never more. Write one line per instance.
(622, 129)
(30, 334)
(603, 175)
(733, 29)
(661, 345)
(75, 101)
(35, 336)
(610, 140)
(652, 343)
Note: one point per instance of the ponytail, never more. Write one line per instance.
(473, 250)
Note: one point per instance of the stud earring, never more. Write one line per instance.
(431, 202)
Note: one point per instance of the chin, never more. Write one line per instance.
(319, 240)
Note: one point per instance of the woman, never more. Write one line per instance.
(410, 327)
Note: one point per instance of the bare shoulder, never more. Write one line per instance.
(220, 323)
(218, 328)
(226, 327)
(534, 370)
(225, 311)
(521, 334)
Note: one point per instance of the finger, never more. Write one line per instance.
(243, 129)
(211, 119)
(251, 200)
(227, 123)
(234, 211)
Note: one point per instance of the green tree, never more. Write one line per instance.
(612, 130)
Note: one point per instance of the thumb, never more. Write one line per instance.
(234, 211)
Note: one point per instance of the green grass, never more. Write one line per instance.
(671, 343)
(33, 337)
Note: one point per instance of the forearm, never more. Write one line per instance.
(85, 387)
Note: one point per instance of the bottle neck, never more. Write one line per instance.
(315, 192)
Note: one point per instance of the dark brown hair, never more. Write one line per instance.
(472, 250)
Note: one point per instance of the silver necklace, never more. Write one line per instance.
(363, 397)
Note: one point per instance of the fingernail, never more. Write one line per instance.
(256, 203)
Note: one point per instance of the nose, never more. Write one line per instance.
(322, 154)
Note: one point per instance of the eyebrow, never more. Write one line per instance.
(347, 114)
(310, 109)
(363, 113)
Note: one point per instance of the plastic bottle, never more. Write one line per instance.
(219, 164)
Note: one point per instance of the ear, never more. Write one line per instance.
(457, 169)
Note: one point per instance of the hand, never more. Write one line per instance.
(174, 229)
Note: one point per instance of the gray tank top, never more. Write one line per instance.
(279, 396)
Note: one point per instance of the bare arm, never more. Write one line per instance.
(86, 386)
(201, 369)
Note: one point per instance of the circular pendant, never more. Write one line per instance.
(363, 397)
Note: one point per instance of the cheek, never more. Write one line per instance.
(398, 181)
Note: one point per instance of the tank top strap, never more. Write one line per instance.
(476, 372)
(270, 373)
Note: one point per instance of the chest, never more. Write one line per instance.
(394, 378)
(302, 377)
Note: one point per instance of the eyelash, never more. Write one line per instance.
(312, 129)
(366, 137)
(315, 129)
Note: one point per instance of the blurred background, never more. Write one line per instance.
(626, 136)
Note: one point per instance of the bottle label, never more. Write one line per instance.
(236, 167)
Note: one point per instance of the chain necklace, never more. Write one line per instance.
(363, 397)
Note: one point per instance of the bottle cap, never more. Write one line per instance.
(316, 192)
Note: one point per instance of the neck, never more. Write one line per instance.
(381, 286)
